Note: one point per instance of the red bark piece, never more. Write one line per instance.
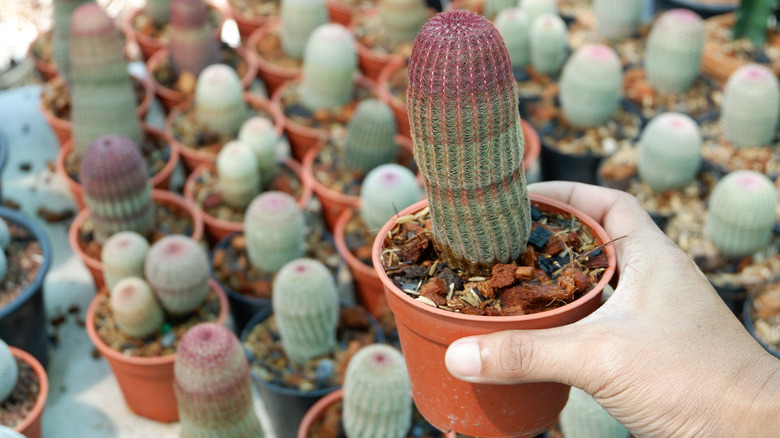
(597, 261)
(554, 246)
(502, 275)
(435, 290)
(578, 280)
(414, 251)
(528, 258)
(524, 273)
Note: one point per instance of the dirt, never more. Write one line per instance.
(20, 403)
(719, 31)
(24, 257)
(185, 83)
(701, 99)
(142, 23)
(255, 8)
(717, 149)
(322, 118)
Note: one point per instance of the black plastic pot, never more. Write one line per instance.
(747, 320)
(23, 321)
(733, 296)
(703, 9)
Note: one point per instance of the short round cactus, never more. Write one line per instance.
(513, 25)
(259, 134)
(385, 191)
(123, 256)
(192, 45)
(590, 85)
(5, 235)
(548, 44)
(177, 268)
(669, 151)
(275, 230)
(299, 19)
(329, 66)
(617, 19)
(534, 9)
(239, 179)
(306, 307)
(377, 393)
(401, 20)
(9, 372)
(370, 138)
(673, 50)
(219, 101)
(583, 417)
(751, 106)
(135, 308)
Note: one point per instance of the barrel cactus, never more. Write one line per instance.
(213, 386)
(306, 307)
(673, 51)
(123, 256)
(370, 136)
(377, 394)
(191, 44)
(669, 151)
(329, 66)
(534, 9)
(299, 19)
(60, 34)
(275, 231)
(9, 372)
(514, 26)
(548, 44)
(219, 101)
(741, 213)
(159, 11)
(617, 19)
(385, 191)
(177, 268)
(590, 85)
(401, 20)
(259, 134)
(751, 106)
(116, 186)
(584, 418)
(135, 308)
(239, 179)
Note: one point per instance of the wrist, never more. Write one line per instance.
(756, 400)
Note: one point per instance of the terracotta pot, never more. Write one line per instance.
(95, 266)
(30, 427)
(247, 24)
(146, 382)
(47, 70)
(342, 13)
(479, 409)
(272, 75)
(398, 106)
(370, 61)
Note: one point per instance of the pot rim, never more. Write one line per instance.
(43, 382)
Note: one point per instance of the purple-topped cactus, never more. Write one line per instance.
(177, 269)
(136, 310)
(192, 44)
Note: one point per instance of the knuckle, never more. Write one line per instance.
(513, 357)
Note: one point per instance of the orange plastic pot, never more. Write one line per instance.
(478, 409)
(247, 24)
(333, 202)
(95, 266)
(719, 65)
(272, 75)
(383, 89)
(370, 61)
(342, 13)
(30, 427)
(47, 70)
(146, 382)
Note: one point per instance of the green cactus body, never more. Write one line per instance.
(9, 372)
(329, 66)
(123, 256)
(536, 8)
(305, 300)
(135, 308)
(514, 27)
(275, 231)
(299, 19)
(673, 51)
(239, 180)
(669, 151)
(751, 106)
(192, 45)
(102, 97)
(260, 135)
(494, 7)
(377, 394)
(741, 213)
(753, 18)
(548, 44)
(467, 140)
(7, 432)
(117, 191)
(617, 19)
(590, 86)
(62, 11)
(370, 138)
(219, 101)
(159, 11)
(401, 20)
(213, 386)
(584, 418)
(177, 269)
(385, 191)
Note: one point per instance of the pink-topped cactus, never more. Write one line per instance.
(750, 111)
(135, 308)
(177, 268)
(192, 44)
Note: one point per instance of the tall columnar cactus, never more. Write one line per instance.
(669, 151)
(463, 112)
(741, 213)
(753, 18)
(536, 8)
(260, 135)
(548, 44)
(136, 310)
(385, 191)
(590, 85)
(102, 97)
(159, 11)
(191, 44)
(617, 19)
(177, 269)
(219, 101)
(116, 186)
(213, 386)
(493, 7)
(306, 307)
(299, 19)
(239, 180)
(275, 231)
(583, 417)
(123, 256)
(370, 136)
(401, 20)
(514, 27)
(329, 66)
(377, 394)
(62, 11)
(9, 372)
(751, 106)
(673, 50)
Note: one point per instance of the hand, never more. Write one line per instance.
(664, 355)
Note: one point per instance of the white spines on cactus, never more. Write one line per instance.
(513, 25)
(329, 66)
(177, 269)
(590, 85)
(582, 417)
(136, 310)
(534, 9)
(7, 432)
(401, 20)
(669, 151)
(5, 235)
(275, 230)
(751, 106)
(370, 139)
(9, 372)
(673, 50)
(299, 19)
(548, 43)
(260, 135)
(617, 19)
(385, 191)
(239, 179)
(219, 102)
(123, 256)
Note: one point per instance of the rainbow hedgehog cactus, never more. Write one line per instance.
(135, 307)
(329, 65)
(617, 19)
(299, 19)
(673, 50)
(219, 101)
(275, 230)
(513, 25)
(590, 86)
(385, 191)
(750, 111)
(239, 179)
(669, 151)
(123, 256)
(192, 45)
(260, 135)
(177, 268)
(60, 35)
(370, 138)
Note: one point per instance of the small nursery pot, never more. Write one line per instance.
(47, 70)
(479, 409)
(247, 24)
(340, 12)
(370, 61)
(146, 382)
(272, 75)
(30, 427)
(383, 90)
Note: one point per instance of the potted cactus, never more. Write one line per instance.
(24, 389)
(252, 15)
(50, 49)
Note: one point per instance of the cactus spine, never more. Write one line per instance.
(306, 306)
(9, 372)
(219, 101)
(584, 418)
(275, 231)
(370, 136)
(669, 151)
(213, 386)
(513, 25)
(192, 45)
(62, 11)
(116, 186)
(617, 19)
(135, 308)
(123, 256)
(385, 191)
(329, 66)
(751, 106)
(377, 394)
(463, 112)
(401, 20)
(159, 11)
(673, 50)
(548, 44)
(239, 180)
(536, 8)
(177, 269)
(590, 86)
(260, 135)
(299, 19)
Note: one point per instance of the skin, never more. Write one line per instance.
(664, 355)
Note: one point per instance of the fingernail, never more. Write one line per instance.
(463, 358)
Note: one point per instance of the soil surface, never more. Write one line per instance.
(322, 118)
(20, 403)
(24, 258)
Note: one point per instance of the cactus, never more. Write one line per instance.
(192, 44)
(583, 417)
(536, 8)
(590, 86)
(494, 7)
(753, 18)
(617, 19)
(299, 19)
(385, 191)
(260, 135)
(135, 308)
(751, 106)
(548, 44)
(673, 51)
(219, 101)
(102, 97)
(370, 136)
(5, 235)
(513, 25)
(401, 20)
(62, 11)
(159, 11)
(463, 112)
(741, 213)
(9, 372)
(669, 151)
(116, 186)
(377, 394)
(123, 256)
(213, 386)
(177, 268)
(239, 180)
(275, 231)
(305, 300)
(7, 432)
(329, 66)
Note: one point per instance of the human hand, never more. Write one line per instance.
(664, 355)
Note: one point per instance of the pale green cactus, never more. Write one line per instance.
(275, 231)
(177, 268)
(299, 19)
(159, 11)
(123, 256)
(513, 25)
(329, 67)
(239, 179)
(306, 307)
(669, 151)
(536, 8)
(60, 35)
(5, 235)
(385, 191)
(751, 106)
(493, 7)
(259, 134)
(617, 19)
(741, 213)
(673, 51)
(219, 101)
(370, 139)
(9, 372)
(401, 20)
(548, 43)
(135, 308)
(584, 418)
(590, 85)
(377, 394)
